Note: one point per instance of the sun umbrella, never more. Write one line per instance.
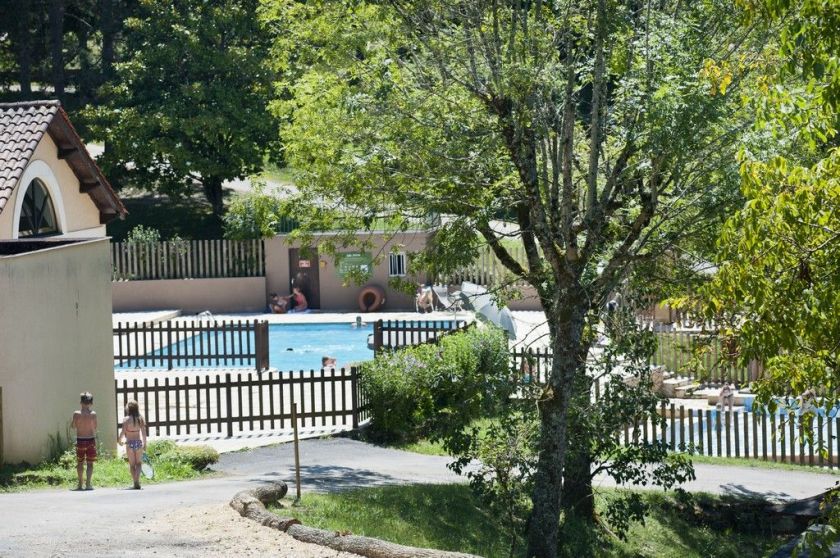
(481, 302)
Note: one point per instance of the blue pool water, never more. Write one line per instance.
(291, 347)
(301, 346)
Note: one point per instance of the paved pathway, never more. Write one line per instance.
(60, 522)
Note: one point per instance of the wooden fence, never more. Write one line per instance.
(394, 334)
(180, 344)
(230, 404)
(193, 259)
(678, 352)
(486, 270)
(784, 437)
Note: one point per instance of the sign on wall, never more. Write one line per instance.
(357, 263)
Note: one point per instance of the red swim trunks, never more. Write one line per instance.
(86, 449)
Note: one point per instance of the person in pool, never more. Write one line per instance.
(134, 433)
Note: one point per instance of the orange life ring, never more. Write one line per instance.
(371, 298)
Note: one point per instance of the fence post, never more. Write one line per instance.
(229, 397)
(354, 396)
(169, 348)
(377, 336)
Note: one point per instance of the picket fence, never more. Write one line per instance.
(187, 259)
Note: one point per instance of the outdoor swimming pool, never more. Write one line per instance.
(291, 347)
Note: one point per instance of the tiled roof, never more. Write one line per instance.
(22, 125)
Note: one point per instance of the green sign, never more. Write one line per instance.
(357, 263)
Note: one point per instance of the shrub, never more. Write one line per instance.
(197, 457)
(437, 390)
(159, 447)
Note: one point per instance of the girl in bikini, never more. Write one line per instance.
(134, 433)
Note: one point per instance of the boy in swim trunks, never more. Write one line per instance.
(84, 421)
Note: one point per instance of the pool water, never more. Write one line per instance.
(301, 346)
(290, 347)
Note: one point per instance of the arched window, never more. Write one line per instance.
(37, 216)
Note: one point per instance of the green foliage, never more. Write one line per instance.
(256, 214)
(189, 103)
(142, 235)
(436, 391)
(196, 457)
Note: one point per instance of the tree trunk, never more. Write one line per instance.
(544, 523)
(56, 46)
(214, 194)
(578, 497)
(23, 48)
(108, 28)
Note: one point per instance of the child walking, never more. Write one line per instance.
(134, 433)
(84, 422)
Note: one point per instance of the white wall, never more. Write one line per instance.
(55, 342)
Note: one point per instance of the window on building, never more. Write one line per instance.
(37, 216)
(396, 265)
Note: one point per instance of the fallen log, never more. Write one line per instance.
(251, 504)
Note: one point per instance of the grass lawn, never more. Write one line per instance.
(109, 471)
(448, 517)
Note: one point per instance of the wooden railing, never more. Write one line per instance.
(393, 334)
(193, 259)
(179, 344)
(231, 404)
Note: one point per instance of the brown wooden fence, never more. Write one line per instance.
(784, 437)
(697, 356)
(193, 259)
(180, 344)
(394, 334)
(231, 404)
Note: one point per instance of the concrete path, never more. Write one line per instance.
(65, 523)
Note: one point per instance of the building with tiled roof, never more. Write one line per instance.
(49, 183)
(55, 282)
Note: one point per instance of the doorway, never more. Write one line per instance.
(303, 274)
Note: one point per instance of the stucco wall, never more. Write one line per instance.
(55, 342)
(232, 294)
(79, 211)
(334, 294)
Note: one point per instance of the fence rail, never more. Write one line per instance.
(182, 259)
(231, 404)
(486, 269)
(179, 344)
(395, 334)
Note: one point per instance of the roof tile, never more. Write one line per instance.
(22, 125)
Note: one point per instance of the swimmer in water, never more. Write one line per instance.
(358, 322)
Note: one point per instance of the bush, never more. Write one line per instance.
(435, 391)
(197, 457)
(159, 447)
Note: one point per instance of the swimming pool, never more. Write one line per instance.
(291, 347)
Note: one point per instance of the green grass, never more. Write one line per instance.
(448, 517)
(761, 464)
(109, 471)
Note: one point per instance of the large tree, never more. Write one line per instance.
(189, 103)
(597, 126)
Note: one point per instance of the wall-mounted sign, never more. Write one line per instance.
(304, 263)
(354, 262)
